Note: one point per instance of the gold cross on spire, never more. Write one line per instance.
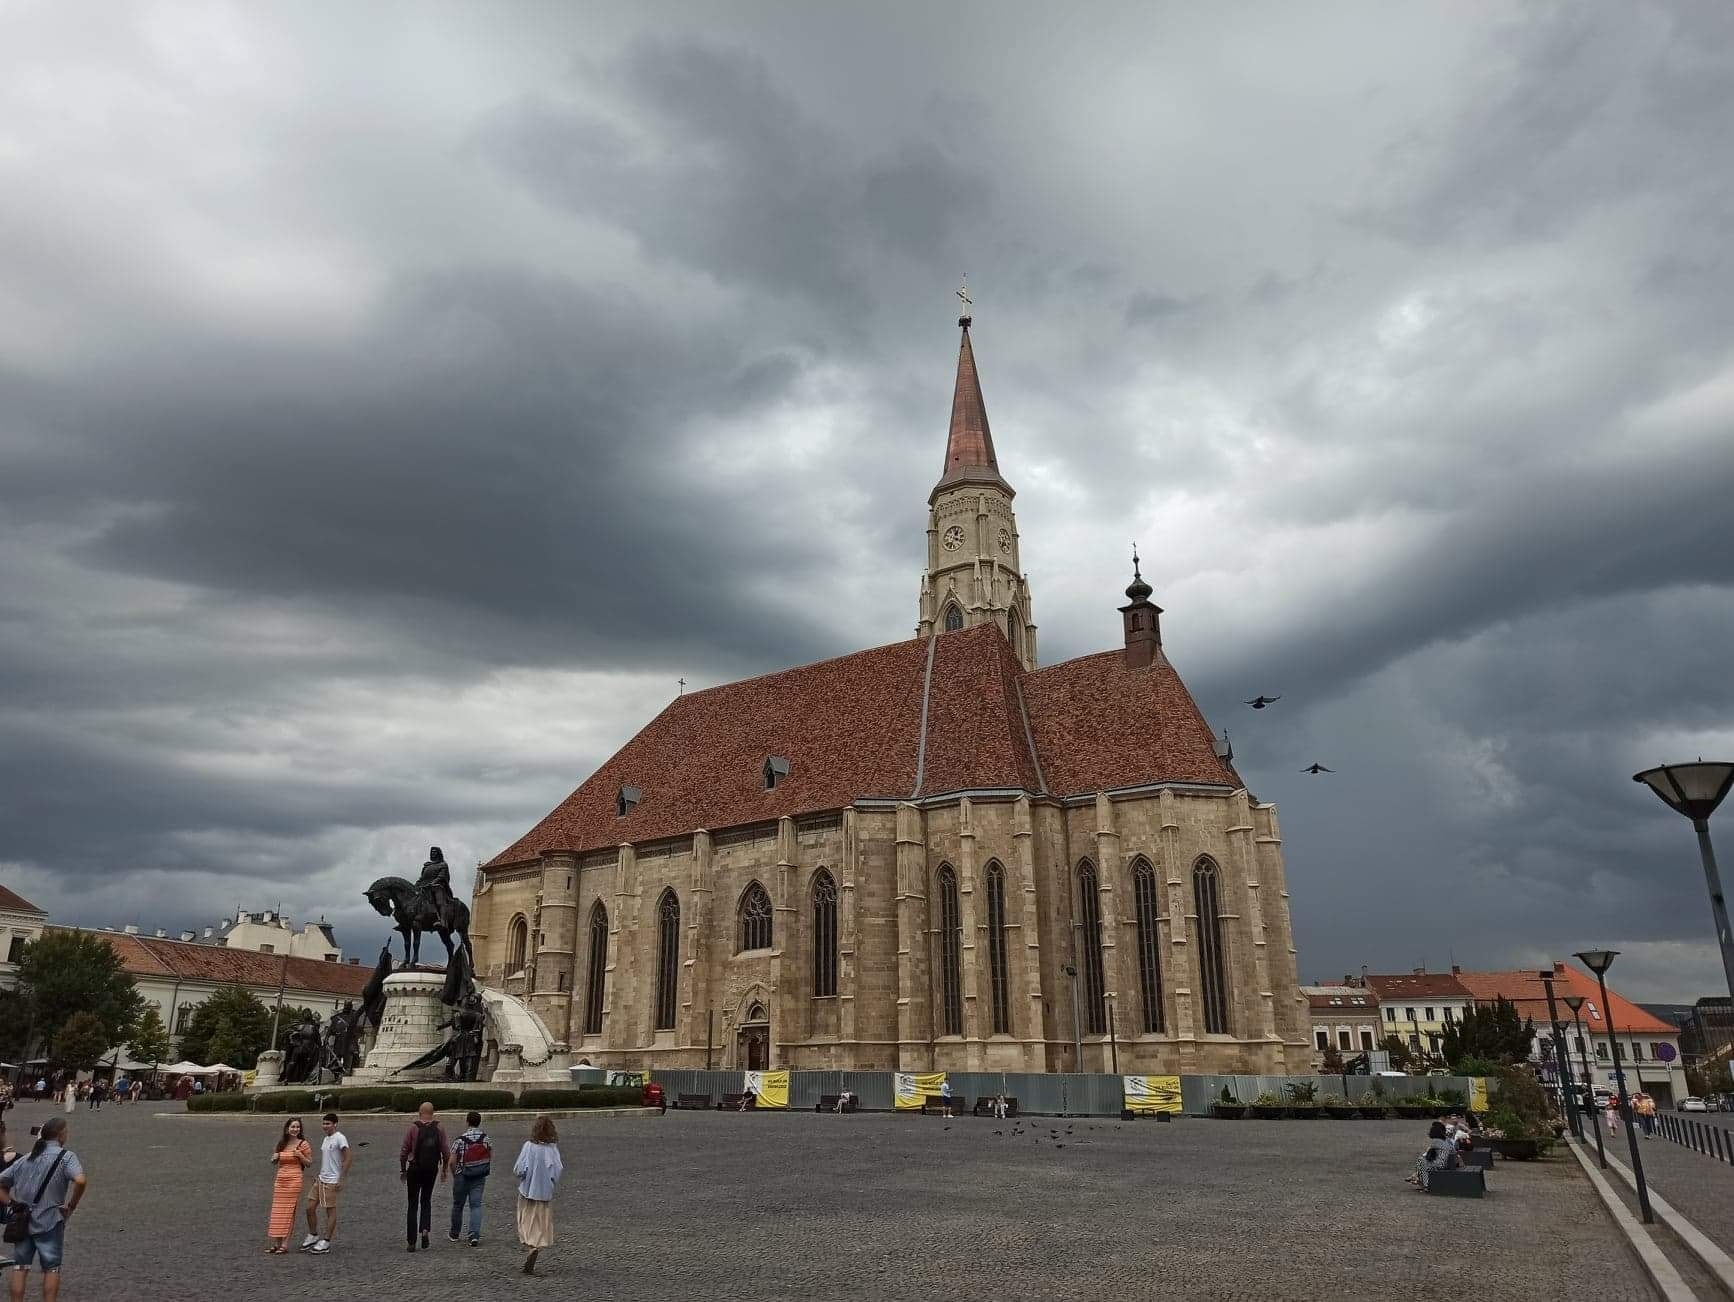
(967, 301)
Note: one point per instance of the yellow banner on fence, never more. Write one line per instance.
(1478, 1093)
(1152, 1093)
(908, 1089)
(770, 1089)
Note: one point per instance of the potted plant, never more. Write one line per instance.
(1337, 1108)
(1228, 1108)
(1303, 1100)
(1415, 1109)
(1267, 1107)
(1373, 1107)
(1519, 1123)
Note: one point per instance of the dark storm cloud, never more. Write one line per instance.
(379, 440)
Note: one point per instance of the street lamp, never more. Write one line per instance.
(1695, 790)
(1599, 961)
(1575, 1003)
(1561, 1060)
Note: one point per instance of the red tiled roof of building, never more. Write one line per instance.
(1418, 985)
(851, 729)
(1525, 990)
(1340, 998)
(12, 901)
(969, 445)
(151, 956)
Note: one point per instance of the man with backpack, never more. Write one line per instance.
(471, 1157)
(423, 1157)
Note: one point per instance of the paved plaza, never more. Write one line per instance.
(723, 1206)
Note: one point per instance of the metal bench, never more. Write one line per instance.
(702, 1101)
(831, 1102)
(984, 1106)
(946, 1107)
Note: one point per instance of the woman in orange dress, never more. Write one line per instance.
(291, 1158)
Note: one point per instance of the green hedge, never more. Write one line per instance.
(585, 1096)
(218, 1103)
(447, 1100)
(359, 1098)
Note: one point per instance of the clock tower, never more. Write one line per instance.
(972, 574)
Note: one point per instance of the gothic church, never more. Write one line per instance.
(931, 855)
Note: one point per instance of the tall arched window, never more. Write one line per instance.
(1213, 976)
(824, 935)
(755, 918)
(667, 960)
(1014, 629)
(1149, 962)
(950, 953)
(517, 944)
(1090, 920)
(598, 969)
(953, 618)
(996, 957)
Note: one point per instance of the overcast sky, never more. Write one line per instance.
(396, 400)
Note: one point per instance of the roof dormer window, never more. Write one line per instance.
(776, 769)
(627, 800)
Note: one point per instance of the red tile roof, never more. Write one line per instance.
(1341, 999)
(150, 956)
(851, 729)
(1524, 989)
(1418, 985)
(16, 903)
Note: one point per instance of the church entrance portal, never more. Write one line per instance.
(754, 1040)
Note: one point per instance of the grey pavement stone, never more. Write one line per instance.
(803, 1206)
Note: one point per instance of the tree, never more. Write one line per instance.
(61, 973)
(1402, 1056)
(1494, 1034)
(232, 1026)
(1332, 1064)
(14, 1026)
(150, 1038)
(81, 1042)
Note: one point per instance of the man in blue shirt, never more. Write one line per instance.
(46, 1186)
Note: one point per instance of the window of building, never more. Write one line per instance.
(1391, 1015)
(998, 976)
(953, 619)
(1321, 1039)
(667, 960)
(1014, 631)
(627, 800)
(1090, 941)
(824, 935)
(560, 981)
(1367, 1040)
(598, 969)
(1343, 1041)
(1579, 1046)
(1149, 956)
(1429, 1013)
(776, 769)
(1601, 1050)
(1408, 1014)
(755, 918)
(517, 944)
(15, 951)
(267, 949)
(1414, 1042)
(1637, 1052)
(1448, 1020)
(950, 953)
(1212, 967)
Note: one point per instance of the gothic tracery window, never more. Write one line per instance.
(755, 918)
(950, 953)
(953, 618)
(1149, 959)
(517, 944)
(996, 950)
(824, 935)
(1212, 969)
(667, 960)
(598, 969)
(1090, 942)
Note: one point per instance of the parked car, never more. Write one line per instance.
(1692, 1103)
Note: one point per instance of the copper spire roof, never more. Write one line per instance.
(969, 446)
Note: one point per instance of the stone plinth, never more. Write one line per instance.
(269, 1070)
(408, 1029)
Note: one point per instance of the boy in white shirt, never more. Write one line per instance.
(335, 1156)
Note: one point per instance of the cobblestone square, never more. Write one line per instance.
(723, 1206)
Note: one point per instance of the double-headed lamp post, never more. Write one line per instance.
(1695, 790)
(1561, 1059)
(1599, 961)
(1575, 1003)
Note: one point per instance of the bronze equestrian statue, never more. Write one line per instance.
(422, 906)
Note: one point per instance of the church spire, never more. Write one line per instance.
(969, 456)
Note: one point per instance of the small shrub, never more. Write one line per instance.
(1303, 1091)
(218, 1103)
(1227, 1096)
(1470, 1066)
(360, 1098)
(1456, 1100)
(1267, 1100)
(269, 1103)
(1333, 1101)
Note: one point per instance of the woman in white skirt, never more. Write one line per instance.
(538, 1170)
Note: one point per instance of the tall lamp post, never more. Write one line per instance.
(1599, 961)
(1695, 790)
(1561, 1060)
(1575, 1003)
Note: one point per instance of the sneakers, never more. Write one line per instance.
(412, 1245)
(530, 1261)
(309, 1241)
(453, 1236)
(324, 1245)
(475, 1240)
(424, 1240)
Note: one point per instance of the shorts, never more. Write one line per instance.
(323, 1195)
(47, 1245)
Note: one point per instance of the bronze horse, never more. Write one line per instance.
(412, 913)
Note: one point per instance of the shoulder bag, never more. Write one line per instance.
(18, 1227)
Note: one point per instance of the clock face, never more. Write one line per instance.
(953, 538)
(1005, 541)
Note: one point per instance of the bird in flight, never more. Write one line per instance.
(1259, 702)
(1317, 768)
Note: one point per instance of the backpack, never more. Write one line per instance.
(427, 1153)
(474, 1155)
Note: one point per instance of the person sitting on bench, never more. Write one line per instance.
(846, 1101)
(1441, 1155)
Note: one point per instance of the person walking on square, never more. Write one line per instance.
(335, 1155)
(292, 1156)
(472, 1156)
(46, 1187)
(423, 1157)
(1613, 1110)
(538, 1169)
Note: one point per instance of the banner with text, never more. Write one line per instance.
(770, 1089)
(1152, 1093)
(909, 1089)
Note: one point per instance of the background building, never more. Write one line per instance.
(20, 923)
(268, 931)
(1419, 1007)
(1343, 1017)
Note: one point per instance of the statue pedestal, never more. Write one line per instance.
(269, 1071)
(409, 1027)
